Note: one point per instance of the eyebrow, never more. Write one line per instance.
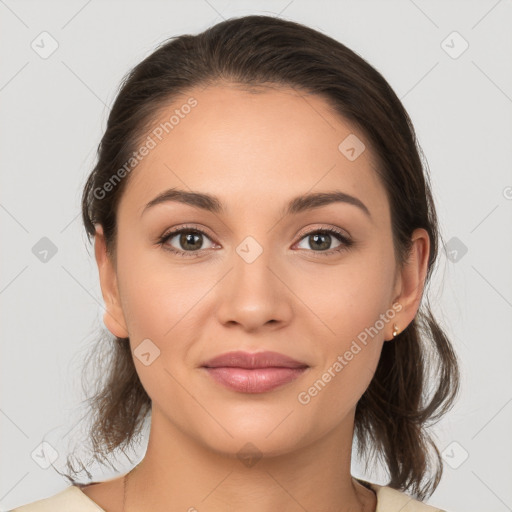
(296, 205)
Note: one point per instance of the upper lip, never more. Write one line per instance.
(241, 359)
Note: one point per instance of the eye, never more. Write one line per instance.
(320, 241)
(189, 241)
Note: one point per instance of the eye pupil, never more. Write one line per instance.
(315, 238)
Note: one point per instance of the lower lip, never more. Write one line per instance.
(257, 380)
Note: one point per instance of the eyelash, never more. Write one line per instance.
(346, 243)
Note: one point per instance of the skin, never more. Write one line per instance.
(255, 152)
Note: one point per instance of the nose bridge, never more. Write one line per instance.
(253, 296)
(251, 265)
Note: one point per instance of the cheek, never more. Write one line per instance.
(347, 379)
(156, 305)
(352, 346)
(336, 386)
(156, 294)
(352, 296)
(356, 309)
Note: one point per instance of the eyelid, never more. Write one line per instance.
(186, 227)
(319, 227)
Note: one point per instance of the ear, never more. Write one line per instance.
(113, 316)
(411, 281)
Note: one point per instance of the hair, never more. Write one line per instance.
(392, 416)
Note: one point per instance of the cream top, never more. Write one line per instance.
(72, 499)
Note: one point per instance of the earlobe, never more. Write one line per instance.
(412, 281)
(113, 316)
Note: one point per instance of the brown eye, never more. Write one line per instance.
(183, 241)
(321, 241)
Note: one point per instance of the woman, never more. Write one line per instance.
(264, 231)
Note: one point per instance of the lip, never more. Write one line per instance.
(240, 359)
(258, 380)
(254, 373)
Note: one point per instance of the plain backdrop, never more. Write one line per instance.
(60, 67)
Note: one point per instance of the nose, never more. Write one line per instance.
(254, 294)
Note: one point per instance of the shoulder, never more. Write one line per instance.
(392, 500)
(71, 499)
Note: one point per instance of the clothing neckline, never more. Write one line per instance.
(369, 485)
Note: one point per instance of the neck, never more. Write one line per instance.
(177, 473)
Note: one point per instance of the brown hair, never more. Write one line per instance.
(393, 414)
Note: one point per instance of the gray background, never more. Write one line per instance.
(53, 111)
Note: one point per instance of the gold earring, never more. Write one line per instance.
(395, 330)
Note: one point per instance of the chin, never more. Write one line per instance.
(251, 449)
(272, 437)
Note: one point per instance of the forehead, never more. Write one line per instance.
(271, 143)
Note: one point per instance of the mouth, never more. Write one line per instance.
(253, 373)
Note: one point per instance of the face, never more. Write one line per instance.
(251, 275)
